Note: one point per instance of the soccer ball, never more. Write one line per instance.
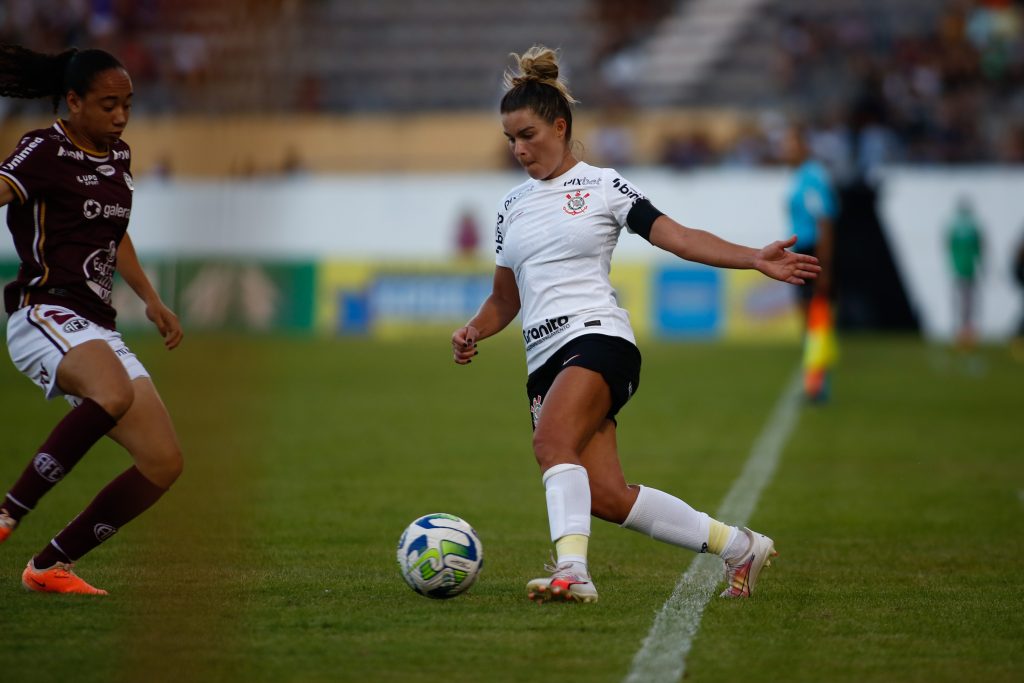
(440, 556)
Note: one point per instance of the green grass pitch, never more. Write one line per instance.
(897, 511)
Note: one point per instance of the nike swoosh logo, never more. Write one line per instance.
(571, 358)
(41, 584)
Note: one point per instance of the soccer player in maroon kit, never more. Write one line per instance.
(68, 191)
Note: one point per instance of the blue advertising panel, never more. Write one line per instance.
(687, 301)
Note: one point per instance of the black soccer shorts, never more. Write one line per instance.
(614, 358)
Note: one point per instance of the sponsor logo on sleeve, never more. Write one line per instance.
(623, 187)
(128, 181)
(16, 160)
(499, 235)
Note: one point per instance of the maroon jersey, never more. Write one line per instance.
(72, 212)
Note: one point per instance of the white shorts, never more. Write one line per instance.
(39, 336)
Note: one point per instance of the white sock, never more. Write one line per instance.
(568, 496)
(668, 519)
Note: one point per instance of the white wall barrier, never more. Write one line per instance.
(413, 218)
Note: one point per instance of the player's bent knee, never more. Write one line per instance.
(550, 451)
(173, 466)
(163, 469)
(116, 400)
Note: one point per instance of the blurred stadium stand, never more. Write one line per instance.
(936, 81)
(931, 81)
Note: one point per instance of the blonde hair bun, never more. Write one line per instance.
(539, 64)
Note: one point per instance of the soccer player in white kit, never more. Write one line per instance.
(554, 239)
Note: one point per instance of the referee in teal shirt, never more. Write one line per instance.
(812, 207)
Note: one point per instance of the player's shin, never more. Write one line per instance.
(68, 442)
(666, 518)
(122, 500)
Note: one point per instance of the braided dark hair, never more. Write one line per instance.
(28, 74)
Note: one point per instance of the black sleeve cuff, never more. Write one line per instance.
(641, 217)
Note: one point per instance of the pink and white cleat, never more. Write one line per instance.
(741, 573)
(567, 583)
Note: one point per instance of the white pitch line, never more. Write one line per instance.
(662, 657)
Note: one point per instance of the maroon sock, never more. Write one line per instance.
(68, 442)
(121, 501)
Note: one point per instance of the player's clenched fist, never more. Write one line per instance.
(464, 344)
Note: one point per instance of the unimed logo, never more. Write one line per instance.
(48, 468)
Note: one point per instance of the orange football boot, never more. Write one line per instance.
(7, 525)
(57, 579)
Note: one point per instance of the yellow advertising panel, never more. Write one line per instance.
(760, 309)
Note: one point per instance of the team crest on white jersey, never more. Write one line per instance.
(577, 203)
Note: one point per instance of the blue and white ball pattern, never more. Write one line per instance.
(440, 555)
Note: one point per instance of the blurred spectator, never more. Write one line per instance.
(189, 55)
(963, 239)
(684, 151)
(948, 93)
(750, 148)
(467, 235)
(620, 24)
(612, 138)
(941, 82)
(163, 169)
(293, 165)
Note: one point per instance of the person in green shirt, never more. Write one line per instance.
(965, 253)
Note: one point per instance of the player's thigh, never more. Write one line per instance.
(65, 354)
(574, 409)
(147, 433)
(93, 370)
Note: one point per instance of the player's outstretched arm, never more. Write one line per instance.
(497, 311)
(701, 246)
(131, 270)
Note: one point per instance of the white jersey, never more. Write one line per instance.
(557, 236)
